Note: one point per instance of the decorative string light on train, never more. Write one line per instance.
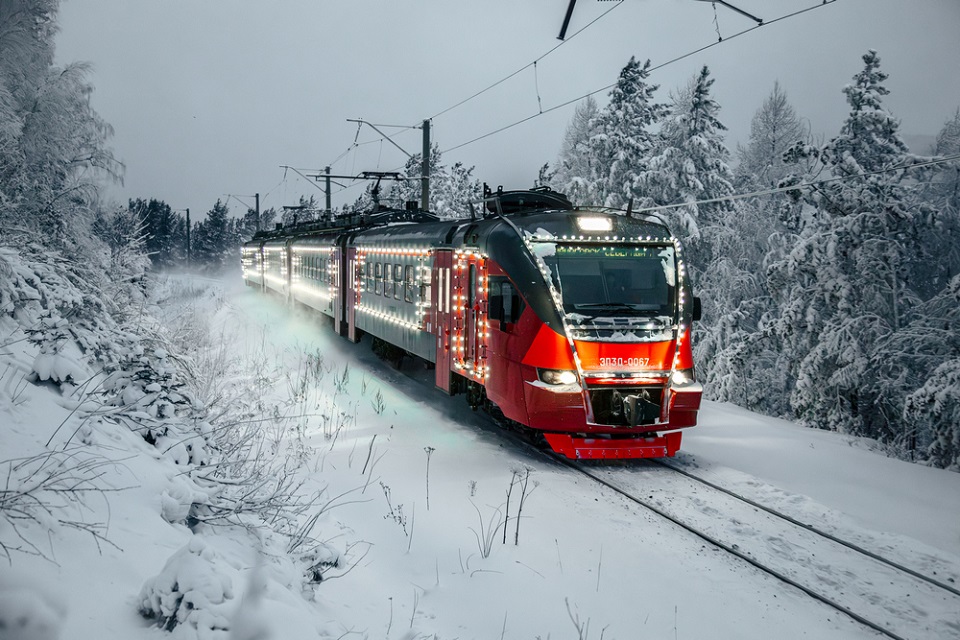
(366, 254)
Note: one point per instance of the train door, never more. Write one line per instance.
(335, 282)
(442, 285)
(470, 315)
(352, 292)
(287, 271)
(505, 345)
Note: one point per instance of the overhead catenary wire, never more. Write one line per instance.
(541, 111)
(802, 185)
(526, 66)
(652, 69)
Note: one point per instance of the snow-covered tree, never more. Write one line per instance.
(306, 210)
(216, 240)
(742, 360)
(452, 189)
(843, 289)
(774, 129)
(52, 143)
(624, 138)
(576, 168)
(937, 405)
(250, 224)
(690, 165)
(164, 231)
(941, 239)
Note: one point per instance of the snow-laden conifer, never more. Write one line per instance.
(215, 242)
(576, 168)
(452, 188)
(774, 129)
(844, 288)
(690, 164)
(624, 139)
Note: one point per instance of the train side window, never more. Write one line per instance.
(505, 303)
(378, 279)
(387, 280)
(408, 283)
(517, 305)
(495, 301)
(397, 280)
(472, 286)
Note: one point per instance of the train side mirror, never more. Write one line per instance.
(697, 309)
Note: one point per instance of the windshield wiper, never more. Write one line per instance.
(603, 305)
(622, 308)
(618, 306)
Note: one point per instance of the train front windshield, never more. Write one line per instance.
(615, 281)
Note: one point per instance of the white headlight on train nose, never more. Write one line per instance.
(557, 377)
(682, 377)
(595, 223)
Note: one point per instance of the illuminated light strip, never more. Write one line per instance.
(477, 369)
(387, 251)
(309, 248)
(313, 291)
(393, 319)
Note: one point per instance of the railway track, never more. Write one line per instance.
(885, 595)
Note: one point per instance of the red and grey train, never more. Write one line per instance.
(574, 322)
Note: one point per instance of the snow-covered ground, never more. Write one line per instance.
(407, 491)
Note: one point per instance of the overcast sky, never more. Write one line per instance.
(210, 97)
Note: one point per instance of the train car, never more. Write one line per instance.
(574, 323)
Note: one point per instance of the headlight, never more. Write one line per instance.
(556, 376)
(682, 377)
(595, 223)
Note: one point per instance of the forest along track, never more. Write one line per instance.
(886, 596)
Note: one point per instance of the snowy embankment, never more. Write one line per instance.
(338, 498)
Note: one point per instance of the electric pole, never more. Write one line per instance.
(188, 238)
(425, 168)
(257, 196)
(326, 172)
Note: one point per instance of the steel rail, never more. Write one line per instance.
(811, 528)
(733, 551)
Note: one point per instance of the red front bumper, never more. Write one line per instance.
(584, 448)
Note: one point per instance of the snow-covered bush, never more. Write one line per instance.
(148, 392)
(192, 590)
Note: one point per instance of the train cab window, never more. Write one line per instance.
(368, 269)
(397, 280)
(378, 279)
(505, 302)
(408, 283)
